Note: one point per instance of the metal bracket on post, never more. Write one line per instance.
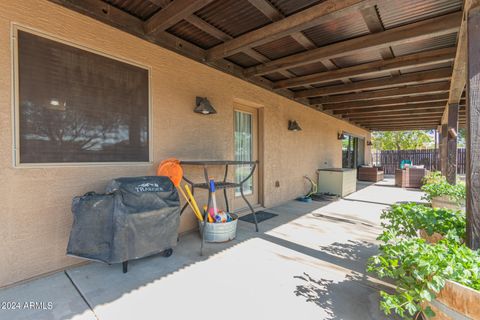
(451, 147)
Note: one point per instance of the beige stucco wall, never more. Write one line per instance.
(35, 213)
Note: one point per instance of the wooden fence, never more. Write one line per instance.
(390, 159)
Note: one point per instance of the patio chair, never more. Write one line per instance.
(409, 177)
(373, 174)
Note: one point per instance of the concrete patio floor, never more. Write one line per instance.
(306, 263)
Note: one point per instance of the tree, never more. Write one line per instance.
(401, 140)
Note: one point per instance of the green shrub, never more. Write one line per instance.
(420, 271)
(434, 177)
(436, 185)
(404, 220)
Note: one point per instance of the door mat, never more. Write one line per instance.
(325, 197)
(261, 216)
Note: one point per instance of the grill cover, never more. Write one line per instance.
(137, 217)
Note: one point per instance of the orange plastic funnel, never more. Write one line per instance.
(171, 168)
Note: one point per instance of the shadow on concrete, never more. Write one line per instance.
(333, 297)
(363, 184)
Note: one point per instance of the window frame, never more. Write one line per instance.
(252, 148)
(16, 103)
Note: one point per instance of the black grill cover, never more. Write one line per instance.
(137, 217)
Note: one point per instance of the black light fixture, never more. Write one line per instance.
(369, 143)
(203, 106)
(340, 136)
(293, 126)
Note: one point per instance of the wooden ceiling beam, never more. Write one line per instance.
(404, 128)
(323, 12)
(400, 107)
(386, 102)
(400, 123)
(395, 114)
(405, 124)
(273, 14)
(375, 25)
(219, 34)
(208, 28)
(421, 120)
(381, 83)
(174, 12)
(401, 35)
(401, 113)
(371, 68)
(423, 89)
(459, 75)
(121, 20)
(267, 9)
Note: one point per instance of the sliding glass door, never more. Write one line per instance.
(245, 149)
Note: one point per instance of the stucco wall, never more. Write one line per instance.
(35, 202)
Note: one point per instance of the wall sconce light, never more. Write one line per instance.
(340, 136)
(369, 143)
(203, 106)
(293, 126)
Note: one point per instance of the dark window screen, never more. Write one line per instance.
(78, 106)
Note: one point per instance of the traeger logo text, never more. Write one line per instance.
(148, 187)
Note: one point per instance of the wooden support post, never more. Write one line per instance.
(439, 146)
(435, 150)
(451, 147)
(473, 129)
(443, 148)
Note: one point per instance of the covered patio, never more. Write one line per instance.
(379, 65)
(308, 262)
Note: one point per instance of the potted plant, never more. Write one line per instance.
(409, 220)
(442, 194)
(426, 275)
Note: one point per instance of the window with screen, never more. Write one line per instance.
(76, 106)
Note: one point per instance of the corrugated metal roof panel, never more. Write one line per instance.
(280, 48)
(190, 33)
(243, 60)
(327, 84)
(359, 58)
(308, 69)
(397, 13)
(288, 7)
(233, 17)
(347, 27)
(370, 77)
(430, 67)
(448, 40)
(141, 9)
(275, 76)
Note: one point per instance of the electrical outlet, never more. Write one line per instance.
(277, 184)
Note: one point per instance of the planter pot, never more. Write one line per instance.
(446, 202)
(434, 238)
(454, 301)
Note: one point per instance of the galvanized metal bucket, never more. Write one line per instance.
(220, 232)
